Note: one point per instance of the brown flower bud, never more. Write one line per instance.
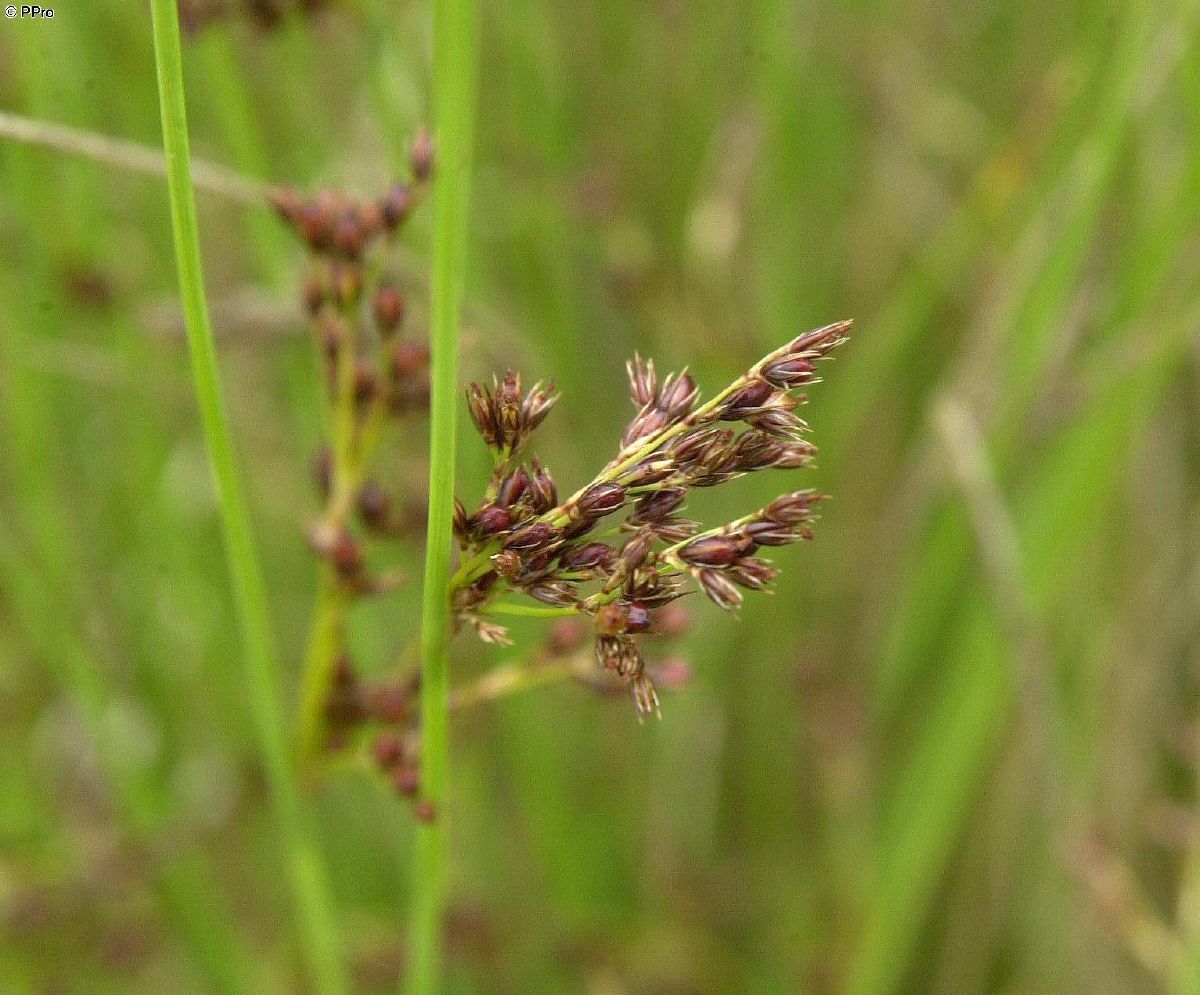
(508, 406)
(348, 235)
(409, 360)
(374, 506)
(652, 471)
(769, 533)
(719, 588)
(755, 451)
(421, 158)
(366, 381)
(542, 488)
(537, 405)
(637, 617)
(659, 504)
(315, 221)
(610, 620)
(819, 341)
(479, 403)
(406, 780)
(601, 499)
(460, 521)
(491, 521)
(643, 381)
(712, 551)
(389, 307)
(387, 749)
(752, 573)
(689, 448)
(645, 424)
(793, 508)
(645, 698)
(556, 593)
(531, 536)
(753, 395)
(346, 554)
(396, 206)
(314, 295)
(790, 371)
(590, 556)
(796, 456)
(513, 487)
(507, 563)
(678, 394)
(634, 552)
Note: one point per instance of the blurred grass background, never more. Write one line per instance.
(953, 753)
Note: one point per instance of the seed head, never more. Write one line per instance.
(720, 588)
(542, 490)
(601, 499)
(753, 395)
(389, 307)
(491, 521)
(531, 536)
(643, 381)
(714, 551)
(590, 556)
(793, 508)
(658, 504)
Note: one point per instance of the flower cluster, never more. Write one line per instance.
(266, 15)
(523, 539)
(373, 371)
(375, 374)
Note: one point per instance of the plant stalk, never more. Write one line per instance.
(454, 37)
(316, 922)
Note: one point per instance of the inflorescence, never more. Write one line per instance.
(522, 538)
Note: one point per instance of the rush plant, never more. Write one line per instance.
(522, 539)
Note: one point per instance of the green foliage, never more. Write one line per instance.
(855, 792)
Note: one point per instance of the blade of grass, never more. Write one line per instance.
(316, 917)
(454, 40)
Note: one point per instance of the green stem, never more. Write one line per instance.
(532, 611)
(454, 36)
(316, 920)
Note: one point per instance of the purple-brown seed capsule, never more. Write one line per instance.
(601, 499)
(712, 551)
(374, 507)
(389, 307)
(513, 487)
(531, 536)
(590, 556)
(769, 533)
(491, 521)
(720, 589)
(396, 206)
(753, 395)
(406, 779)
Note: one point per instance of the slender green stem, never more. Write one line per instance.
(316, 920)
(532, 611)
(454, 36)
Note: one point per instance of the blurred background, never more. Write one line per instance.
(953, 753)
